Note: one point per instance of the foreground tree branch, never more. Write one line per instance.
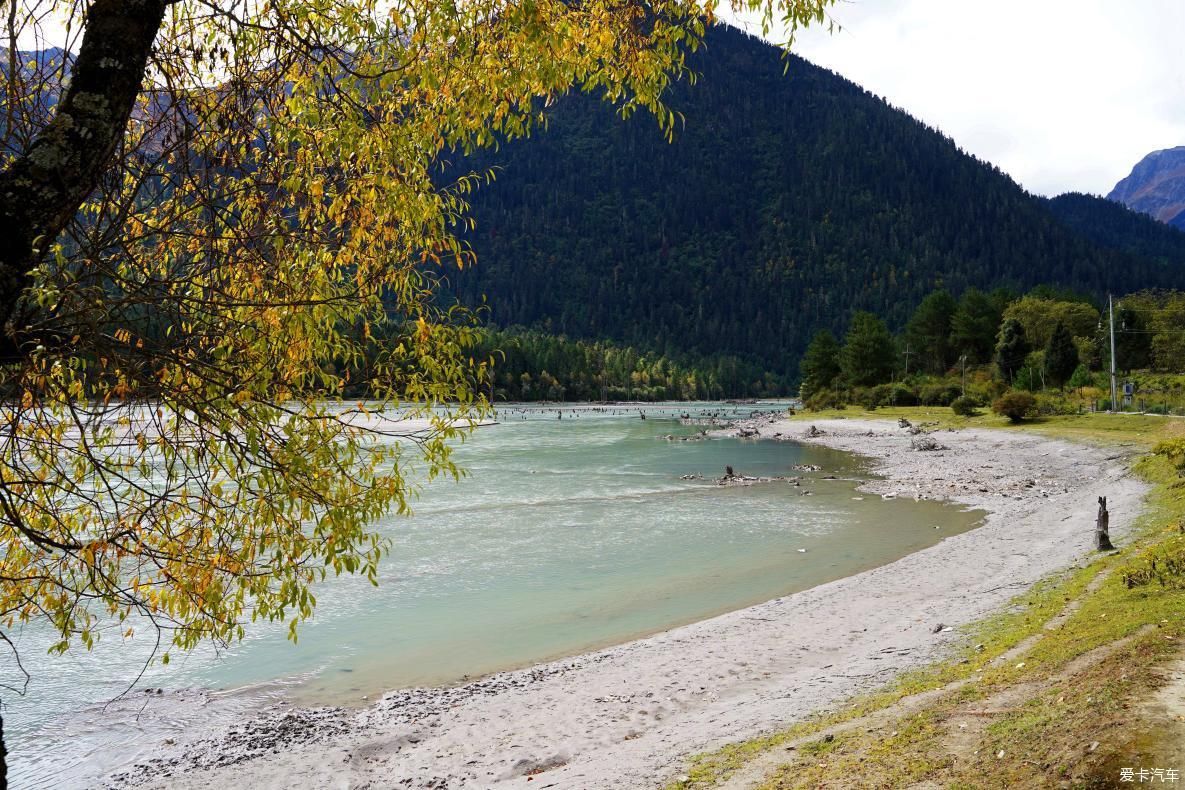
(227, 223)
(42, 190)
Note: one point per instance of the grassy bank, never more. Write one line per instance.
(1066, 687)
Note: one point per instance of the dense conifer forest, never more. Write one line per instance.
(534, 365)
(787, 202)
(1114, 227)
(970, 351)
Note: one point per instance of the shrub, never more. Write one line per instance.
(984, 392)
(901, 395)
(1164, 564)
(939, 394)
(871, 397)
(1016, 406)
(824, 399)
(1174, 451)
(965, 406)
(1055, 404)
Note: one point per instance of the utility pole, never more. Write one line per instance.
(907, 352)
(1111, 317)
(963, 359)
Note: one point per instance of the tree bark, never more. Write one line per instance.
(1101, 535)
(42, 190)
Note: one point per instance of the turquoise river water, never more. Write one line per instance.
(567, 534)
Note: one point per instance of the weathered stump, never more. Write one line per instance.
(1101, 535)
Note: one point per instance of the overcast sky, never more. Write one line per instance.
(1061, 94)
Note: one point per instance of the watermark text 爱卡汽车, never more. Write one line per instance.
(1141, 775)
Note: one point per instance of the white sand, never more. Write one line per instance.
(628, 716)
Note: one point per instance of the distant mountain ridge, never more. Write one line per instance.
(1156, 186)
(1115, 227)
(787, 201)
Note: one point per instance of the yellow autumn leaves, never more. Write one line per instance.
(270, 238)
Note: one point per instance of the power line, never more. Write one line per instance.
(1151, 331)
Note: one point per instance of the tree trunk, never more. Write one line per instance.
(43, 189)
(3, 758)
(1101, 535)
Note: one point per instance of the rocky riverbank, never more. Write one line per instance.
(629, 715)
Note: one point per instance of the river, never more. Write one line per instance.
(574, 528)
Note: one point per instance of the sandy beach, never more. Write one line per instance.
(628, 716)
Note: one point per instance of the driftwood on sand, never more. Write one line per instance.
(1102, 534)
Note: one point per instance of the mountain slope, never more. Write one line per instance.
(1113, 226)
(788, 201)
(1156, 186)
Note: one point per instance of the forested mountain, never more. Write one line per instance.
(787, 201)
(1116, 227)
(1156, 186)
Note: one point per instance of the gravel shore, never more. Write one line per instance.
(628, 716)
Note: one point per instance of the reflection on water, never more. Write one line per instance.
(567, 534)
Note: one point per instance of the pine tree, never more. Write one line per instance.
(1061, 355)
(820, 364)
(1133, 343)
(867, 355)
(974, 326)
(929, 329)
(1011, 348)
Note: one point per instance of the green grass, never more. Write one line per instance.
(1043, 738)
(1140, 430)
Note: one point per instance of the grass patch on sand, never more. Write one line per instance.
(1139, 430)
(1064, 709)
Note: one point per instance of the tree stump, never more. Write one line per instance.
(1101, 536)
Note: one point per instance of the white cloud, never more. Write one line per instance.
(1061, 94)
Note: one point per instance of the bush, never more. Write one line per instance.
(965, 406)
(1056, 404)
(1163, 564)
(824, 399)
(939, 394)
(1174, 451)
(871, 397)
(1016, 406)
(901, 395)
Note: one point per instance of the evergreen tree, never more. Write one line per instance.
(1011, 348)
(974, 326)
(820, 364)
(1002, 297)
(1061, 355)
(846, 203)
(928, 332)
(1082, 377)
(1133, 341)
(867, 355)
